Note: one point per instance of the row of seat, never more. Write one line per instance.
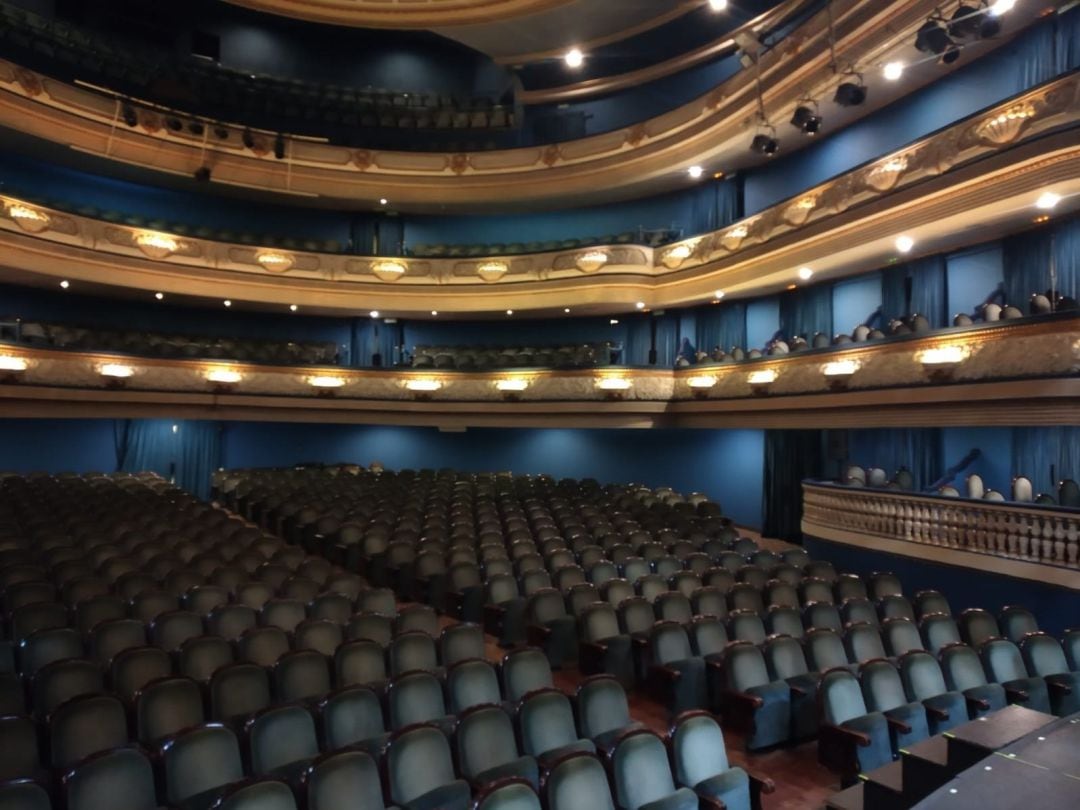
(465, 358)
(642, 236)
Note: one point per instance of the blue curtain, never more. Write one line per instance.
(667, 340)
(790, 457)
(723, 326)
(1037, 449)
(1067, 41)
(807, 311)
(714, 206)
(894, 294)
(1026, 259)
(371, 336)
(1066, 253)
(918, 449)
(929, 296)
(186, 455)
(638, 341)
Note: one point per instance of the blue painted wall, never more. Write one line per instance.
(762, 321)
(57, 445)
(855, 301)
(973, 276)
(995, 463)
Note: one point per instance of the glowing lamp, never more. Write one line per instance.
(388, 270)
(274, 262)
(224, 376)
(29, 219)
(761, 379)
(492, 271)
(592, 261)
(423, 386)
(940, 362)
(614, 384)
(156, 245)
(839, 372)
(702, 382)
(326, 382)
(13, 364)
(677, 255)
(512, 386)
(116, 371)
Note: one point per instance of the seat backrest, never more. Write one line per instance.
(201, 657)
(200, 760)
(133, 668)
(815, 590)
(267, 794)
(863, 643)
(18, 747)
(1016, 622)
(417, 762)
(578, 781)
(263, 645)
(351, 715)
(362, 661)
(921, 675)
(238, 690)
(856, 609)
(785, 658)
(508, 794)
(641, 771)
(895, 606)
(301, 675)
(746, 625)
(98, 781)
(697, 747)
(978, 626)
(938, 631)
(900, 635)
(484, 740)
(744, 666)
(412, 650)
(841, 698)
(23, 794)
(883, 690)
(928, 602)
(822, 614)
(547, 721)
(461, 642)
(415, 697)
(525, 670)
(602, 706)
(167, 706)
(962, 667)
(708, 635)
(1043, 655)
(45, 646)
(62, 680)
(849, 586)
(673, 606)
(280, 736)
(472, 683)
(1071, 643)
(84, 726)
(417, 617)
(344, 779)
(321, 635)
(668, 642)
(825, 650)
(374, 626)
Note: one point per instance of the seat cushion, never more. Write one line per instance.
(992, 693)
(732, 787)
(914, 714)
(689, 691)
(681, 799)
(879, 752)
(1038, 696)
(772, 720)
(525, 767)
(452, 796)
(952, 702)
(1063, 703)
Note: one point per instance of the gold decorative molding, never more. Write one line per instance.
(410, 14)
(634, 160)
(1032, 542)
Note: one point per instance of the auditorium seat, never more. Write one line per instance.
(752, 701)
(1045, 659)
(420, 771)
(1005, 665)
(642, 775)
(851, 739)
(964, 673)
(700, 762)
(924, 682)
(486, 748)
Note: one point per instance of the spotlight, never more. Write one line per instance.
(640, 305)
(964, 22)
(293, 307)
(202, 174)
(128, 111)
(952, 53)
(695, 172)
(932, 38)
(718, 5)
(999, 7)
(1047, 200)
(279, 146)
(765, 144)
(989, 28)
(248, 139)
(374, 313)
(893, 71)
(904, 244)
(196, 128)
(806, 119)
(159, 296)
(227, 302)
(574, 58)
(805, 273)
(221, 133)
(65, 284)
(851, 94)
(173, 123)
(434, 313)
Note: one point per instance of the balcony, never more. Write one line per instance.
(1040, 543)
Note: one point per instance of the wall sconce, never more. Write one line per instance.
(700, 386)
(761, 379)
(223, 380)
(116, 374)
(156, 245)
(512, 388)
(12, 368)
(614, 387)
(674, 257)
(31, 220)
(326, 385)
(939, 363)
(388, 270)
(492, 271)
(592, 261)
(838, 373)
(423, 388)
(274, 262)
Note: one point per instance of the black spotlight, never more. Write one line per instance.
(221, 133)
(202, 174)
(964, 22)
(173, 123)
(765, 144)
(952, 53)
(279, 146)
(196, 128)
(130, 117)
(932, 38)
(850, 94)
(248, 139)
(990, 27)
(806, 120)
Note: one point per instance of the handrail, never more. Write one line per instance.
(1046, 535)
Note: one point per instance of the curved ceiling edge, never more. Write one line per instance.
(413, 14)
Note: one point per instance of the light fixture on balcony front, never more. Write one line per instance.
(116, 374)
(1047, 200)
(11, 368)
(326, 385)
(423, 389)
(223, 379)
(904, 244)
(761, 379)
(512, 388)
(274, 262)
(591, 261)
(701, 384)
(614, 387)
(675, 256)
(31, 220)
(156, 245)
(839, 372)
(388, 270)
(492, 271)
(940, 362)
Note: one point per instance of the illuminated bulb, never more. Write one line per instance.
(156, 245)
(614, 321)
(423, 385)
(719, 294)
(159, 296)
(274, 262)
(999, 7)
(326, 382)
(29, 219)
(492, 271)
(388, 270)
(640, 305)
(567, 310)
(374, 313)
(175, 428)
(515, 385)
(293, 307)
(718, 5)
(509, 312)
(944, 356)
(1047, 200)
(613, 384)
(695, 172)
(592, 261)
(116, 370)
(762, 376)
(805, 273)
(574, 58)
(893, 71)
(434, 313)
(840, 368)
(704, 381)
(223, 375)
(227, 302)
(65, 284)
(383, 201)
(9, 363)
(904, 244)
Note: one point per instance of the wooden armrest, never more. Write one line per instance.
(978, 703)
(1059, 687)
(714, 664)
(899, 725)
(797, 690)
(538, 631)
(937, 713)
(667, 673)
(706, 802)
(1017, 694)
(753, 701)
(763, 783)
(594, 647)
(863, 740)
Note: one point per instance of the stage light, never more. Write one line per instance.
(904, 244)
(326, 382)
(574, 58)
(131, 118)
(893, 71)
(999, 7)
(156, 245)
(374, 313)
(434, 313)
(202, 174)
(640, 305)
(274, 262)
(279, 146)
(964, 22)
(388, 270)
(932, 38)
(765, 144)
(65, 284)
(718, 294)
(293, 307)
(805, 273)
(227, 302)
(591, 261)
(509, 312)
(614, 384)
(850, 94)
(718, 5)
(423, 386)
(1047, 200)
(695, 172)
(223, 376)
(566, 310)
(383, 201)
(248, 139)
(9, 363)
(704, 381)
(614, 321)
(116, 370)
(28, 218)
(806, 119)
(159, 296)
(514, 385)
(492, 271)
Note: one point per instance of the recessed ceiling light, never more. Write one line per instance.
(293, 307)
(65, 284)
(567, 310)
(159, 296)
(904, 244)
(893, 71)
(719, 294)
(509, 312)
(695, 172)
(374, 313)
(383, 201)
(718, 5)
(999, 7)
(574, 58)
(1047, 200)
(227, 302)
(640, 305)
(434, 312)
(805, 273)
(614, 321)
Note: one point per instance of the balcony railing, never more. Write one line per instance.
(1021, 532)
